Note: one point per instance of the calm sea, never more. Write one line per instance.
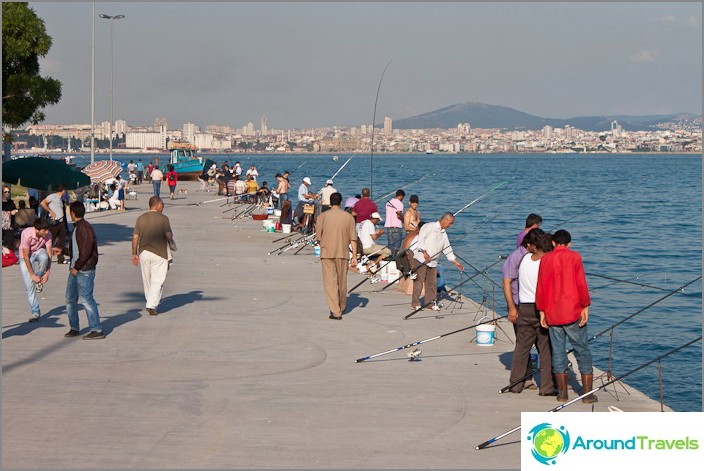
(632, 217)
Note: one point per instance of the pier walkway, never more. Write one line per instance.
(243, 369)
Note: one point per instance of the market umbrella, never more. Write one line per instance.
(43, 174)
(102, 170)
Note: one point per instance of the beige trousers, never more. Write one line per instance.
(335, 284)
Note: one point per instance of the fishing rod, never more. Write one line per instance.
(404, 187)
(584, 394)
(485, 195)
(629, 282)
(501, 257)
(584, 211)
(304, 241)
(506, 388)
(359, 360)
(476, 200)
(376, 100)
(297, 168)
(288, 243)
(371, 275)
(340, 169)
(485, 275)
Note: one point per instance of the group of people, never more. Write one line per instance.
(548, 301)
(348, 238)
(152, 247)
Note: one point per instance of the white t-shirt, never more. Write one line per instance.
(365, 233)
(527, 279)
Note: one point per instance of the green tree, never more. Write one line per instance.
(24, 92)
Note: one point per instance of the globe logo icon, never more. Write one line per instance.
(548, 443)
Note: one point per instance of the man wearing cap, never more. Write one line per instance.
(325, 193)
(368, 234)
(335, 229)
(304, 197)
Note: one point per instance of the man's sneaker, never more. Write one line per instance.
(72, 333)
(96, 334)
(38, 286)
(34, 318)
(151, 311)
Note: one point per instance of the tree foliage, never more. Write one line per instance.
(25, 93)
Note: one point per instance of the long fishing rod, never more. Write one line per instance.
(404, 187)
(371, 275)
(359, 360)
(303, 240)
(584, 211)
(288, 243)
(416, 311)
(298, 168)
(485, 195)
(340, 169)
(474, 268)
(630, 282)
(506, 388)
(376, 100)
(584, 394)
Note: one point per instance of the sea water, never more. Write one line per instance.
(632, 217)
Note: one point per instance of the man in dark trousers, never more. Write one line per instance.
(335, 230)
(81, 276)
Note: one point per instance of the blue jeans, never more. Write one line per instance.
(81, 286)
(579, 338)
(40, 262)
(157, 187)
(395, 238)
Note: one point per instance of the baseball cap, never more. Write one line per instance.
(375, 216)
(306, 180)
(329, 182)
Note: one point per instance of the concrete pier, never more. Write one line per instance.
(243, 369)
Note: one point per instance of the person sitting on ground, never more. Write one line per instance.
(114, 201)
(368, 234)
(263, 192)
(240, 186)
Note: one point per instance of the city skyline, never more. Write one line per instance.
(308, 65)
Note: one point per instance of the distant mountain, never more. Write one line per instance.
(480, 115)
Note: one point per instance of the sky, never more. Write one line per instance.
(320, 64)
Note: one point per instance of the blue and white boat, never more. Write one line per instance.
(187, 165)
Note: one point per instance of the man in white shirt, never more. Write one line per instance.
(252, 170)
(157, 177)
(432, 241)
(325, 193)
(368, 234)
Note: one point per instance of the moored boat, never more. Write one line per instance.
(187, 165)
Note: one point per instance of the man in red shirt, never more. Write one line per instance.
(363, 209)
(562, 297)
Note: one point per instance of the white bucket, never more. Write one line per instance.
(485, 334)
(270, 210)
(277, 213)
(268, 224)
(394, 272)
(285, 228)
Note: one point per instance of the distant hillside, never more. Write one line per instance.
(480, 115)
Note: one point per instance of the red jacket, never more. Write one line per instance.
(171, 178)
(562, 290)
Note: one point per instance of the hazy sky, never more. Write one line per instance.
(319, 64)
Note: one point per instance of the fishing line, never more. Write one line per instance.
(359, 360)
(562, 406)
(506, 388)
(376, 100)
(584, 211)
(501, 257)
(630, 282)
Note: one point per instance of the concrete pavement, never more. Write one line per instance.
(243, 369)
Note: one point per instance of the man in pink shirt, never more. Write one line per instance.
(35, 252)
(394, 222)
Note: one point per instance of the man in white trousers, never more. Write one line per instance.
(152, 241)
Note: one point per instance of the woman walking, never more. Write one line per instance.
(171, 179)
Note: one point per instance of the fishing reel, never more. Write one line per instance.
(414, 355)
(375, 278)
(410, 275)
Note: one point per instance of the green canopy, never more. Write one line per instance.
(43, 174)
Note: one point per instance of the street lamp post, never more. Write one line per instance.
(111, 18)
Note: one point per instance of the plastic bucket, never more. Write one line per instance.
(286, 228)
(316, 250)
(270, 210)
(485, 334)
(268, 224)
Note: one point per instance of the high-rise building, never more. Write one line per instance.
(189, 132)
(388, 125)
(547, 132)
(264, 129)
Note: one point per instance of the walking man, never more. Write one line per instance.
(81, 276)
(432, 241)
(157, 176)
(562, 297)
(394, 222)
(335, 229)
(35, 250)
(152, 241)
(140, 171)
